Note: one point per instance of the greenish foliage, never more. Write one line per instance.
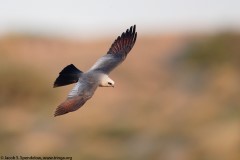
(21, 84)
(215, 51)
(118, 132)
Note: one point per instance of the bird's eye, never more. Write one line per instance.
(109, 83)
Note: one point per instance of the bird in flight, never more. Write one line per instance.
(96, 76)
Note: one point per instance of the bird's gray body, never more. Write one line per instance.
(96, 76)
(86, 85)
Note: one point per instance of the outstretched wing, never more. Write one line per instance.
(70, 105)
(77, 97)
(117, 52)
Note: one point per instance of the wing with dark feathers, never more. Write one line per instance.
(70, 105)
(117, 52)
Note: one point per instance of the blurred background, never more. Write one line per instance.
(176, 95)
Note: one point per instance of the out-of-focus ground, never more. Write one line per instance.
(176, 98)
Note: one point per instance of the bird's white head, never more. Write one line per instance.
(106, 81)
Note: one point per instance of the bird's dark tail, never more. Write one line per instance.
(70, 74)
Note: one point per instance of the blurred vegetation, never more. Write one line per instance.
(213, 52)
(22, 85)
(207, 56)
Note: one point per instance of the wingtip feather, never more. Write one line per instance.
(60, 111)
(70, 105)
(125, 42)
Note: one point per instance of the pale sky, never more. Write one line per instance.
(100, 17)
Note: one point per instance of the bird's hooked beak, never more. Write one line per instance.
(112, 84)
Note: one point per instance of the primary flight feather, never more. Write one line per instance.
(96, 76)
